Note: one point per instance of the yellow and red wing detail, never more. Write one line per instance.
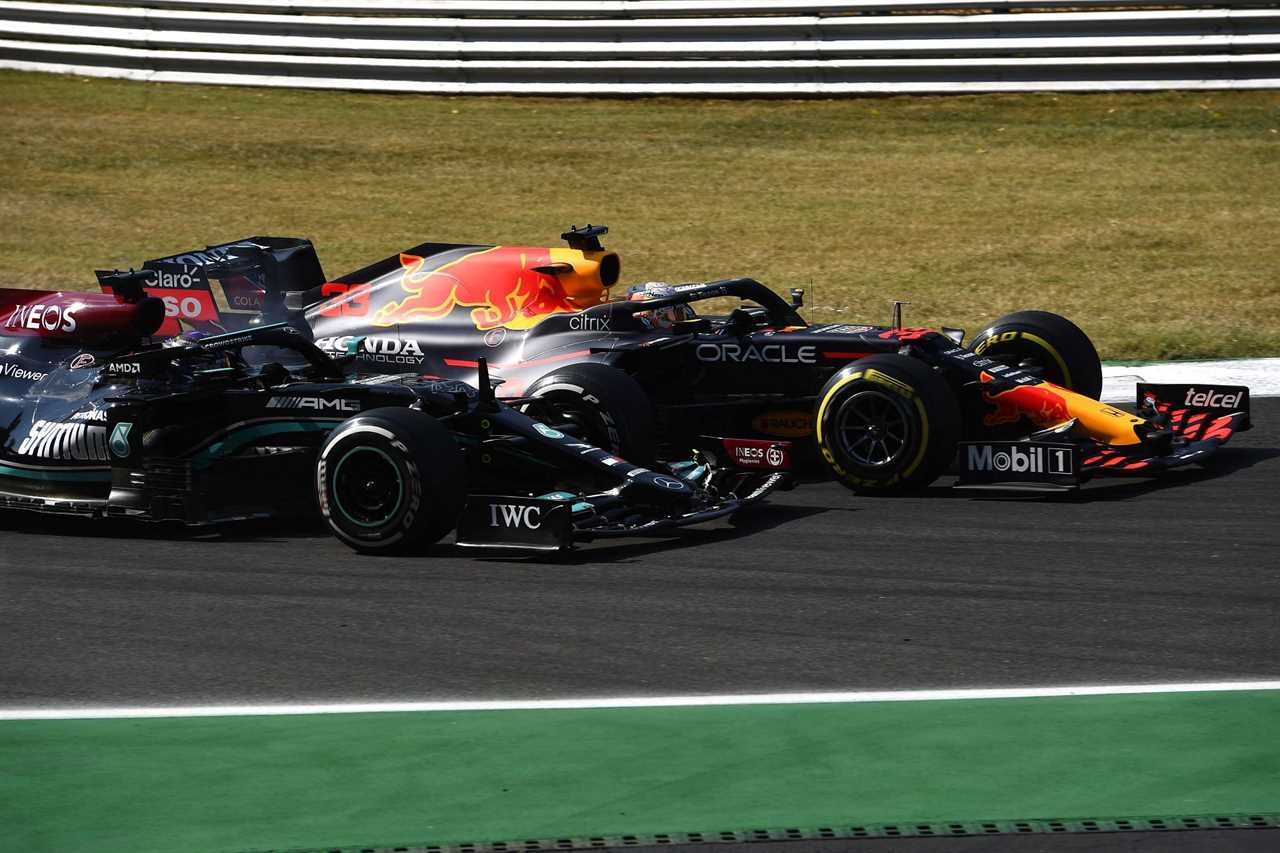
(1047, 405)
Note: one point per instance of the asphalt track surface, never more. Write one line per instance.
(1135, 581)
(1127, 582)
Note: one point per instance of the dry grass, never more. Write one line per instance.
(1151, 219)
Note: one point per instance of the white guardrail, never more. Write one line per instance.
(653, 47)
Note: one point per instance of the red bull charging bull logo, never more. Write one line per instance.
(1041, 406)
(500, 285)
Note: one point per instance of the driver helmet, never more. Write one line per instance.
(658, 318)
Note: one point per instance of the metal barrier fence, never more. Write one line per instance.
(639, 47)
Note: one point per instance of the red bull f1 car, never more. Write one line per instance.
(880, 408)
(101, 415)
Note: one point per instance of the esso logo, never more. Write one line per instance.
(186, 307)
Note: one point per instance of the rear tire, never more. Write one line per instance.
(608, 407)
(1056, 347)
(887, 424)
(390, 480)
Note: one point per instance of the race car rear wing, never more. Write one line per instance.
(224, 287)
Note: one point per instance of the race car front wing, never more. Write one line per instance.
(1191, 423)
(558, 520)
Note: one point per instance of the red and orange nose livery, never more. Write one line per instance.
(1047, 405)
(1040, 405)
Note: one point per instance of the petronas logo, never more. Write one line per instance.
(120, 438)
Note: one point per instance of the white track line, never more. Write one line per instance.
(1261, 375)
(634, 702)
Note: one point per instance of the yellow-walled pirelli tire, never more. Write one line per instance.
(1048, 343)
(390, 480)
(887, 423)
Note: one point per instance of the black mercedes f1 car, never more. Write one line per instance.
(880, 408)
(99, 416)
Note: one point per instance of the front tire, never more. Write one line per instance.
(389, 480)
(607, 407)
(1052, 345)
(887, 424)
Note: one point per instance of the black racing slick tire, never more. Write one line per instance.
(886, 424)
(390, 480)
(1054, 346)
(607, 407)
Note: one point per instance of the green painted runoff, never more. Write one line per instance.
(385, 779)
